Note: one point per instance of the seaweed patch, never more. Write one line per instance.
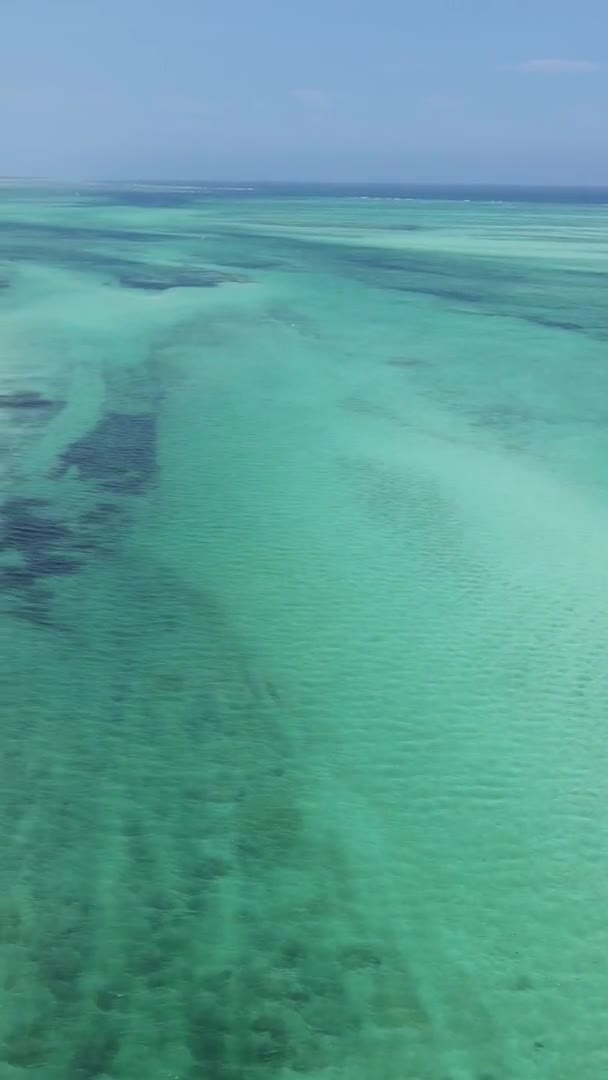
(118, 454)
(26, 526)
(37, 546)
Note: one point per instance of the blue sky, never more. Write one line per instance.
(437, 90)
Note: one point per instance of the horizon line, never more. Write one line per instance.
(244, 183)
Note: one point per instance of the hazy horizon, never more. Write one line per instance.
(242, 182)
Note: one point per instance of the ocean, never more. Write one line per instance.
(304, 622)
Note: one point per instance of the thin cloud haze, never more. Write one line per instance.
(557, 66)
(317, 99)
(442, 101)
(439, 92)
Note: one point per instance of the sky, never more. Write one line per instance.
(432, 91)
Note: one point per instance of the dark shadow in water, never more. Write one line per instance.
(401, 228)
(249, 263)
(556, 324)
(118, 454)
(458, 295)
(370, 408)
(371, 260)
(39, 546)
(415, 274)
(118, 457)
(28, 399)
(35, 605)
(157, 199)
(93, 252)
(160, 281)
(91, 248)
(45, 547)
(406, 362)
(27, 526)
(17, 577)
(36, 230)
(54, 566)
(103, 514)
(281, 1000)
(505, 416)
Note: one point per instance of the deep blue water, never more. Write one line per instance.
(461, 192)
(176, 193)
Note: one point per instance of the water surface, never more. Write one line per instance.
(304, 617)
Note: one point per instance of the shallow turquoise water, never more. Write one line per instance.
(304, 619)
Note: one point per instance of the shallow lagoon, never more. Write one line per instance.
(304, 616)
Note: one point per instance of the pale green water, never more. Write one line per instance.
(304, 765)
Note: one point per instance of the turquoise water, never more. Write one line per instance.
(304, 618)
